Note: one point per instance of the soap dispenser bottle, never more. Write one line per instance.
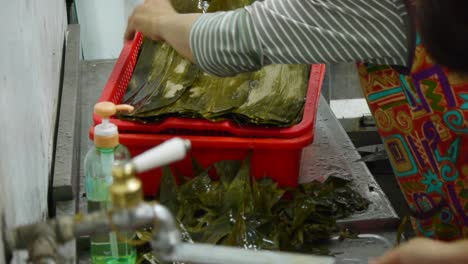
(106, 249)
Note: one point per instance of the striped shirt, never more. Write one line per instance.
(301, 32)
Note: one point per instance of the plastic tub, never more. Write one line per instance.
(122, 73)
(278, 159)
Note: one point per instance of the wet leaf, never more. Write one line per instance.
(197, 167)
(238, 195)
(168, 190)
(241, 211)
(217, 230)
(197, 186)
(227, 170)
(278, 96)
(160, 78)
(164, 84)
(265, 194)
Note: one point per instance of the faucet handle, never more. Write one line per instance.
(168, 152)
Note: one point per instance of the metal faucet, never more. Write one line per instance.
(131, 213)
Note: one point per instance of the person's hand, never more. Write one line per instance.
(427, 251)
(158, 20)
(146, 18)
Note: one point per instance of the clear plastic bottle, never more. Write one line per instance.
(108, 248)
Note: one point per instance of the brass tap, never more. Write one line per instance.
(126, 190)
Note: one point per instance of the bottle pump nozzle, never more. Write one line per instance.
(106, 134)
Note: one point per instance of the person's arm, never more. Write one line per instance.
(293, 32)
(423, 250)
(199, 34)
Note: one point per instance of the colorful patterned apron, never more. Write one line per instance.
(423, 120)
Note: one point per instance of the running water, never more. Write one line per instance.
(203, 5)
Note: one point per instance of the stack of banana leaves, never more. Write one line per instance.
(235, 209)
(165, 84)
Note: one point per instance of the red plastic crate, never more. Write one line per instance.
(278, 159)
(122, 73)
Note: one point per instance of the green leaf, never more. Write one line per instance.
(160, 78)
(214, 193)
(265, 194)
(197, 167)
(197, 186)
(302, 210)
(227, 170)
(217, 230)
(164, 84)
(238, 195)
(276, 97)
(244, 233)
(168, 190)
(240, 211)
(181, 179)
(336, 182)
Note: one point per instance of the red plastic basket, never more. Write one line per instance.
(278, 159)
(122, 73)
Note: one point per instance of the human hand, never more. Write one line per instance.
(427, 251)
(147, 19)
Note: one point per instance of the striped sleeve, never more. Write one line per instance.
(301, 32)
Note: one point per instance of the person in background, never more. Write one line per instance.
(412, 61)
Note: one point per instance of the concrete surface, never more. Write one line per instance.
(31, 55)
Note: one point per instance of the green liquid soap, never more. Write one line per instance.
(106, 248)
(102, 251)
